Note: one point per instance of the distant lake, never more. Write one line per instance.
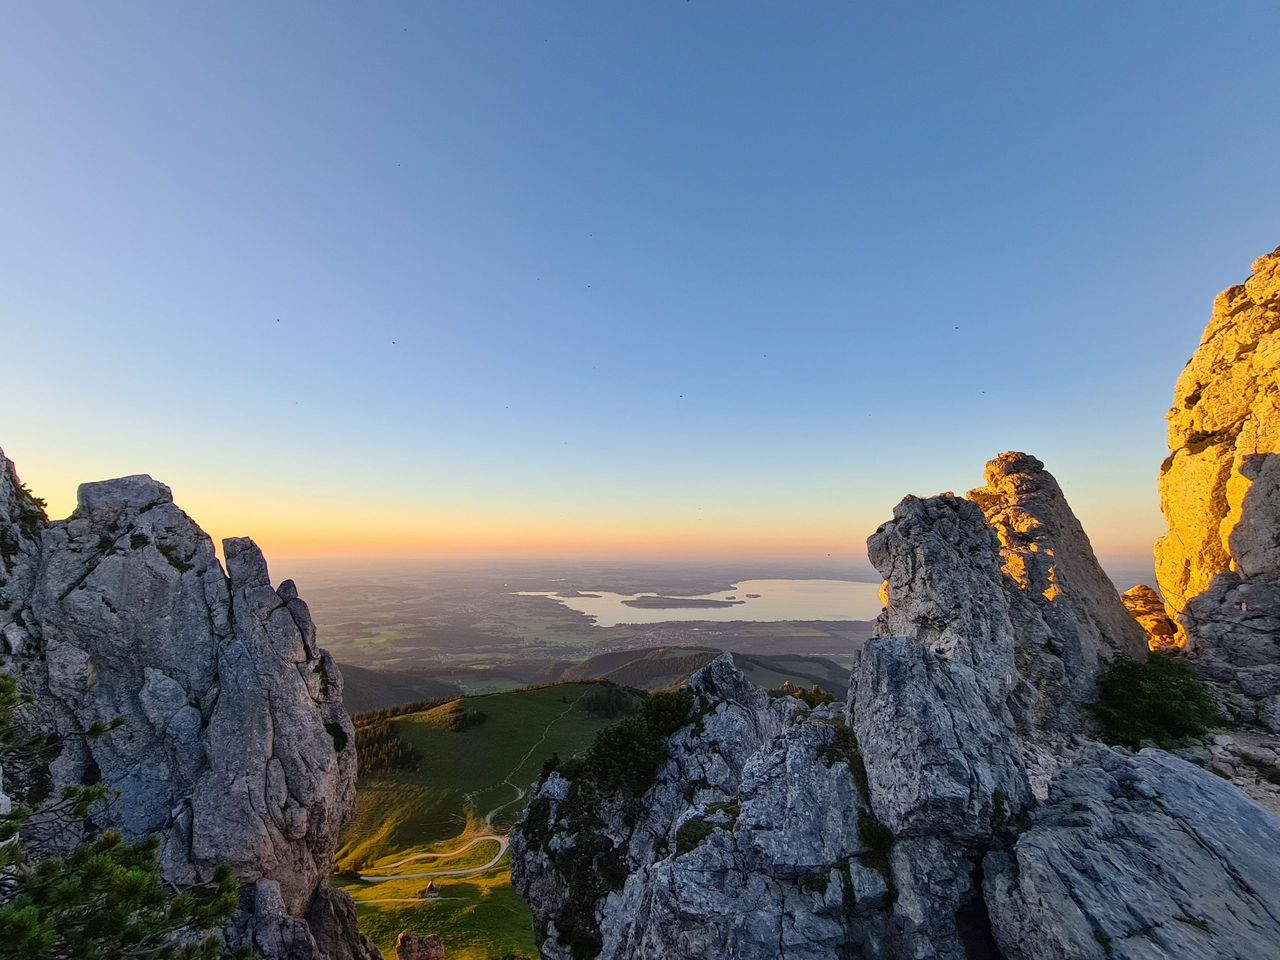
(748, 600)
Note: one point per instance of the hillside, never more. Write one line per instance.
(452, 814)
(366, 688)
(660, 668)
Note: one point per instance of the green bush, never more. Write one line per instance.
(845, 747)
(379, 747)
(692, 833)
(611, 701)
(878, 840)
(1159, 700)
(624, 758)
(629, 754)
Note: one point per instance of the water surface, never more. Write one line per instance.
(761, 600)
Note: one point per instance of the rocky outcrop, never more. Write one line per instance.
(1146, 607)
(1218, 567)
(755, 841)
(234, 745)
(412, 947)
(1139, 857)
(963, 812)
(1065, 609)
(930, 703)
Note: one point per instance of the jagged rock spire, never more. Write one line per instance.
(235, 748)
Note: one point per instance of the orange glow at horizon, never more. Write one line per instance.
(362, 523)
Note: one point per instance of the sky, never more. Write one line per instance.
(660, 279)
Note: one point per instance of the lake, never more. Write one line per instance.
(760, 600)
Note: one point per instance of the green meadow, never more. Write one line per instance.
(469, 785)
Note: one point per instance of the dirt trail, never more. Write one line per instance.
(488, 823)
(461, 872)
(520, 791)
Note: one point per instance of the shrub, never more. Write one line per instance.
(379, 747)
(624, 758)
(611, 702)
(460, 719)
(692, 833)
(878, 840)
(629, 754)
(1160, 700)
(815, 696)
(845, 747)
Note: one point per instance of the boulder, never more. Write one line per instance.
(412, 947)
(1146, 607)
(1138, 857)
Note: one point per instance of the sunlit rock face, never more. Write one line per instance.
(1065, 609)
(1218, 567)
(1146, 607)
(235, 747)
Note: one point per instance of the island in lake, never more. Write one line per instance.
(677, 603)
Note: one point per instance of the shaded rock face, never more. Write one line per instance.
(1139, 857)
(747, 845)
(235, 746)
(930, 701)
(1218, 567)
(976, 818)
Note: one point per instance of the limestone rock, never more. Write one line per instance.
(1139, 857)
(746, 846)
(1064, 607)
(1146, 607)
(235, 747)
(931, 710)
(412, 947)
(1218, 487)
(1219, 565)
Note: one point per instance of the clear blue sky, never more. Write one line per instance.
(663, 277)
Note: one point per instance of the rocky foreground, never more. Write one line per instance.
(959, 805)
(235, 747)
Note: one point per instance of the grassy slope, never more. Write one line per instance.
(443, 804)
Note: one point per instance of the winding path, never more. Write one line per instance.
(461, 872)
(520, 791)
(488, 822)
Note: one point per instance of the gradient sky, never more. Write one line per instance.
(657, 279)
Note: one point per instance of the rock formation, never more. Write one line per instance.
(1065, 610)
(1218, 567)
(747, 845)
(1146, 607)
(412, 947)
(959, 811)
(235, 747)
(1136, 857)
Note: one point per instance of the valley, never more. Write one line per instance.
(446, 821)
(419, 630)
